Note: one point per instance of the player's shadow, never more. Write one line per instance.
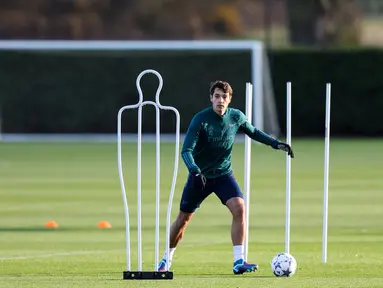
(181, 276)
(226, 276)
(118, 276)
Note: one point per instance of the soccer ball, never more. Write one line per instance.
(283, 265)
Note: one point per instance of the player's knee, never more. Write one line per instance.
(239, 212)
(237, 208)
(183, 220)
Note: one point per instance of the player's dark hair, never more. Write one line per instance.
(224, 86)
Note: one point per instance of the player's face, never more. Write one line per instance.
(220, 101)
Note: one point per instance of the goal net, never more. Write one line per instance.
(78, 86)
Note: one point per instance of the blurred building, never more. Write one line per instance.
(277, 22)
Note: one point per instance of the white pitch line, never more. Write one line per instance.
(74, 253)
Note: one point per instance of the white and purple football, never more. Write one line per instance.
(283, 265)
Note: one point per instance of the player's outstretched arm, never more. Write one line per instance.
(264, 138)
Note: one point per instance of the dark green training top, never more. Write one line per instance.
(210, 137)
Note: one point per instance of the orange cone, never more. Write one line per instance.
(51, 224)
(104, 224)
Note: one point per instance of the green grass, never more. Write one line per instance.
(77, 185)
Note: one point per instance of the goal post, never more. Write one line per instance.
(255, 48)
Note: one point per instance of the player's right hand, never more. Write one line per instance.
(198, 180)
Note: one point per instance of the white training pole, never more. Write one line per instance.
(288, 168)
(247, 174)
(326, 172)
(139, 184)
(158, 183)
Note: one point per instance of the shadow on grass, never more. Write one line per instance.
(196, 276)
(221, 275)
(228, 276)
(118, 276)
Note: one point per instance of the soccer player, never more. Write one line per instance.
(207, 155)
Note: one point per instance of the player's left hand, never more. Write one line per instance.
(286, 147)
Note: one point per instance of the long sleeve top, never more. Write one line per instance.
(210, 137)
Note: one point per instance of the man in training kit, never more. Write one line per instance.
(207, 155)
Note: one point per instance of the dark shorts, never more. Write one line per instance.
(225, 187)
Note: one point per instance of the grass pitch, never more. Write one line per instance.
(77, 186)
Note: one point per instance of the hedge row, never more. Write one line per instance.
(82, 93)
